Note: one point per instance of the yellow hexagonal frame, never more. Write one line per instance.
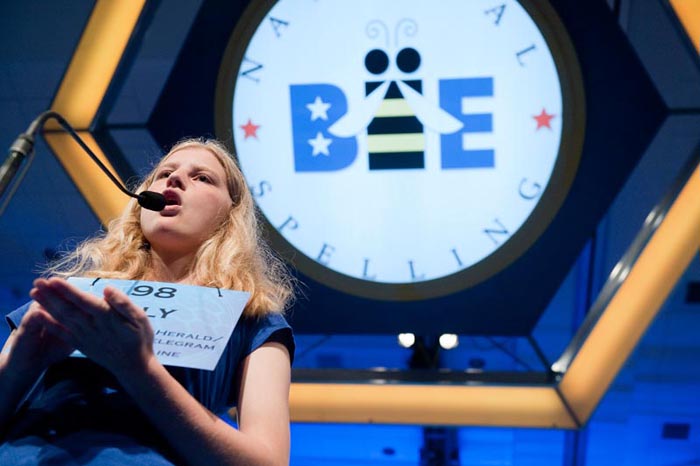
(567, 404)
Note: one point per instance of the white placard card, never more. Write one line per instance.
(191, 324)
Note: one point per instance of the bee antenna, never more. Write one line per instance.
(407, 27)
(375, 28)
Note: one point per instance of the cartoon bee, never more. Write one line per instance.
(394, 112)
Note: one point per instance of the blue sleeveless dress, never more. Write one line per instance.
(79, 415)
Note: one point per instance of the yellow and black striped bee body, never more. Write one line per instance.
(395, 138)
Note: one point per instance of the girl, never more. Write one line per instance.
(120, 405)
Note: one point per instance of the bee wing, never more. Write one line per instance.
(430, 115)
(357, 120)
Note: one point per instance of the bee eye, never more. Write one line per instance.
(408, 60)
(376, 61)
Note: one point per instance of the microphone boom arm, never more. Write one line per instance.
(24, 147)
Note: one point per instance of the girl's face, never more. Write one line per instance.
(194, 184)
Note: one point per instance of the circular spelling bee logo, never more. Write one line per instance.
(399, 143)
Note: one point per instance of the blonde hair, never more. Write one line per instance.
(234, 257)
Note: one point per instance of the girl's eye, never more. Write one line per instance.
(164, 174)
(203, 178)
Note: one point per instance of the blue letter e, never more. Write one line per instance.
(454, 94)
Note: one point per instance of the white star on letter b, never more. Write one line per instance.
(318, 109)
(320, 145)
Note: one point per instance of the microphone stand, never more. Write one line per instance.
(23, 147)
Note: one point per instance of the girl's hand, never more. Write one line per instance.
(38, 342)
(112, 331)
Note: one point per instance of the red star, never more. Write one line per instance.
(543, 119)
(250, 130)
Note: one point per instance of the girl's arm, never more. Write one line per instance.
(199, 436)
(38, 342)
